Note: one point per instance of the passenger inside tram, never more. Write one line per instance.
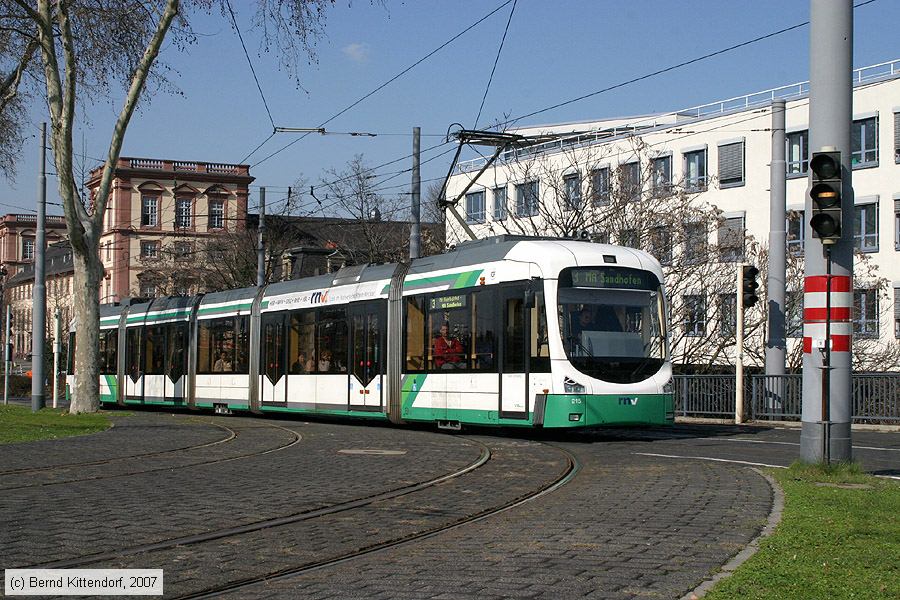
(447, 350)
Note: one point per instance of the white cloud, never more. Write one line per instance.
(357, 52)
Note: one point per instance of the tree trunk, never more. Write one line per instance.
(88, 273)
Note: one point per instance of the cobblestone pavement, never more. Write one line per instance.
(649, 515)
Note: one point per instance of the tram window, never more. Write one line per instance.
(449, 332)
(71, 357)
(154, 355)
(483, 338)
(331, 341)
(108, 351)
(302, 345)
(415, 333)
(216, 346)
(176, 354)
(539, 346)
(241, 362)
(514, 335)
(133, 351)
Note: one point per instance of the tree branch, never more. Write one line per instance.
(9, 87)
(137, 85)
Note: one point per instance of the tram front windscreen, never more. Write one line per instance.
(612, 322)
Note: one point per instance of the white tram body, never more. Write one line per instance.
(509, 331)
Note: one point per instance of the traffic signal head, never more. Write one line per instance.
(825, 193)
(750, 285)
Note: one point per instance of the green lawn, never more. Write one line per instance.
(832, 542)
(19, 424)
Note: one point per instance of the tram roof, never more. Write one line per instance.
(345, 276)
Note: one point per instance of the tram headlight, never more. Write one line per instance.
(572, 387)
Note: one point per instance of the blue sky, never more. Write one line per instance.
(554, 51)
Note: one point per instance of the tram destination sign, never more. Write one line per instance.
(620, 278)
(448, 302)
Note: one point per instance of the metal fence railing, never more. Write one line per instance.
(875, 397)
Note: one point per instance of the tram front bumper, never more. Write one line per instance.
(590, 410)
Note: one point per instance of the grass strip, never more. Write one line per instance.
(839, 537)
(19, 424)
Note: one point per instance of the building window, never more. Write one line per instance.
(796, 232)
(694, 315)
(695, 170)
(149, 211)
(108, 251)
(600, 186)
(661, 169)
(629, 238)
(27, 249)
(183, 213)
(216, 214)
(148, 289)
(500, 203)
(731, 165)
(797, 153)
(727, 315)
(865, 313)
(475, 207)
(897, 137)
(731, 240)
(896, 223)
(865, 227)
(183, 250)
(149, 249)
(661, 244)
(572, 191)
(527, 199)
(864, 143)
(793, 311)
(630, 181)
(695, 242)
(897, 312)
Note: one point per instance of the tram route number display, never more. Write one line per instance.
(618, 278)
(448, 302)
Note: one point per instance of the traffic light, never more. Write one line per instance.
(826, 196)
(750, 285)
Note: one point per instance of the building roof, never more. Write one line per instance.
(58, 262)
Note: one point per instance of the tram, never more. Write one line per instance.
(504, 331)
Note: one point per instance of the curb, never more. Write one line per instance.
(741, 557)
(785, 424)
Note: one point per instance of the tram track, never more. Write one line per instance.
(569, 473)
(231, 435)
(483, 458)
(296, 439)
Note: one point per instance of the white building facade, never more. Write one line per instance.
(720, 153)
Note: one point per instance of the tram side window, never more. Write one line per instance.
(155, 350)
(133, 351)
(241, 363)
(484, 338)
(415, 333)
(461, 332)
(71, 357)
(514, 334)
(540, 345)
(331, 341)
(302, 346)
(216, 339)
(176, 350)
(109, 340)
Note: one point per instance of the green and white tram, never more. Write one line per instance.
(508, 331)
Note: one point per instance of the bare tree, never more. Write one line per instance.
(77, 49)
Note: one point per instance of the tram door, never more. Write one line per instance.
(273, 360)
(514, 368)
(367, 322)
(134, 364)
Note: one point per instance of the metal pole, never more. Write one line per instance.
(7, 356)
(739, 345)
(260, 244)
(39, 315)
(57, 348)
(415, 230)
(777, 272)
(830, 118)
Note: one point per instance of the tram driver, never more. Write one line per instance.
(447, 350)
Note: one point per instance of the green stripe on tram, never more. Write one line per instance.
(212, 310)
(452, 281)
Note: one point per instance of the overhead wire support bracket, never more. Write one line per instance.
(475, 137)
